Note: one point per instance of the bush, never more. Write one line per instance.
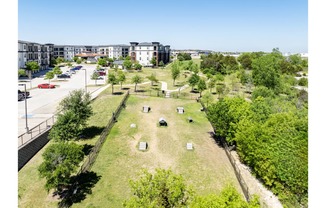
(303, 82)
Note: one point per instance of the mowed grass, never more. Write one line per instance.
(31, 191)
(206, 168)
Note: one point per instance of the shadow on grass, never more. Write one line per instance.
(87, 148)
(140, 90)
(81, 185)
(90, 132)
(126, 88)
(217, 139)
(117, 93)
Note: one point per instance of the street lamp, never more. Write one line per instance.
(85, 81)
(27, 130)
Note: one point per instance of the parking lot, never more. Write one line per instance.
(42, 103)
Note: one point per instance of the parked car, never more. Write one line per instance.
(101, 73)
(63, 76)
(21, 95)
(45, 86)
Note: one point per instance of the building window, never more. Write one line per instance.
(147, 58)
(139, 58)
(147, 52)
(139, 47)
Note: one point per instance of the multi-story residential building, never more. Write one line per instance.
(65, 51)
(114, 51)
(44, 53)
(29, 51)
(144, 52)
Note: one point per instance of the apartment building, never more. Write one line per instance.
(30, 51)
(114, 51)
(145, 51)
(44, 53)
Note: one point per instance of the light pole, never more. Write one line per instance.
(85, 81)
(27, 130)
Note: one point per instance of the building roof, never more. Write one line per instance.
(88, 55)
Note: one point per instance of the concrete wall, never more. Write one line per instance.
(26, 152)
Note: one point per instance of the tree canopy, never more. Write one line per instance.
(32, 66)
(161, 189)
(60, 160)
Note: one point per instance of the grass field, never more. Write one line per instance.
(206, 168)
(31, 191)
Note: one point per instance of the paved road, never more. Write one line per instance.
(42, 103)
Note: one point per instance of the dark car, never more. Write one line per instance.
(63, 76)
(22, 95)
(45, 86)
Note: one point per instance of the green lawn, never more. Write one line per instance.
(31, 191)
(206, 168)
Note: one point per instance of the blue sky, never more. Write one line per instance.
(229, 25)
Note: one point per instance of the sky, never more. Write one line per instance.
(228, 25)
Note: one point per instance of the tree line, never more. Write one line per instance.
(270, 133)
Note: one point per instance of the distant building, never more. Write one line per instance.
(114, 51)
(30, 51)
(43, 53)
(145, 51)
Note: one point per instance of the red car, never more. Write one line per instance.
(46, 86)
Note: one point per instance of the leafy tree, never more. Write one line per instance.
(53, 62)
(152, 78)
(219, 77)
(95, 76)
(60, 60)
(225, 114)
(127, 64)
(266, 71)
(194, 68)
(75, 58)
(303, 82)
(56, 71)
(102, 62)
(245, 60)
(162, 189)
(69, 64)
(138, 66)
(32, 66)
(66, 127)
(201, 86)
(112, 80)
(136, 80)
(193, 80)
(78, 103)
(175, 72)
(153, 61)
(21, 72)
(211, 84)
(161, 64)
(229, 197)
(220, 89)
(207, 98)
(262, 91)
(60, 161)
(49, 75)
(126, 58)
(234, 82)
(121, 78)
(78, 61)
(183, 56)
